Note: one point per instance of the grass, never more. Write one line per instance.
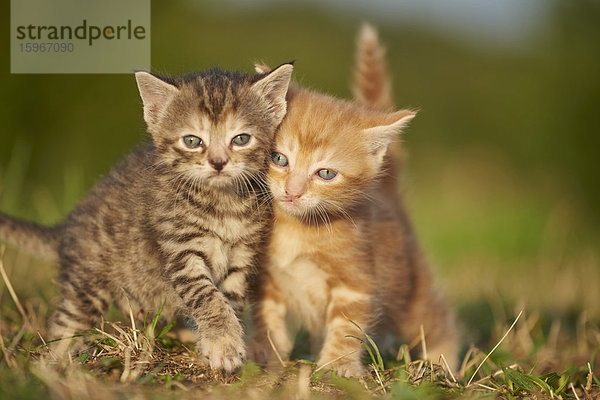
(551, 351)
(149, 360)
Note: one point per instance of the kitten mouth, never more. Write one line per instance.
(290, 205)
(219, 175)
(219, 179)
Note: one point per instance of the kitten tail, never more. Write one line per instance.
(372, 87)
(372, 84)
(37, 240)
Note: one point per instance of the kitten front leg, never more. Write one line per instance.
(269, 321)
(221, 334)
(339, 352)
(234, 286)
(219, 329)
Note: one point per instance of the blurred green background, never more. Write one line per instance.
(502, 176)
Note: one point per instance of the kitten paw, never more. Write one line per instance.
(64, 344)
(263, 353)
(258, 352)
(226, 353)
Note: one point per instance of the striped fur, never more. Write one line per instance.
(39, 240)
(167, 224)
(342, 248)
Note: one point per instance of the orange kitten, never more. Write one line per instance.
(372, 87)
(342, 248)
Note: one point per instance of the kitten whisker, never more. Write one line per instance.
(237, 184)
(316, 215)
(260, 178)
(322, 212)
(152, 167)
(246, 186)
(178, 181)
(266, 197)
(340, 210)
(190, 188)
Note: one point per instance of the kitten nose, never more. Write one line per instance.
(217, 163)
(295, 187)
(293, 196)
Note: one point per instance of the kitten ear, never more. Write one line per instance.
(156, 95)
(273, 87)
(380, 137)
(261, 68)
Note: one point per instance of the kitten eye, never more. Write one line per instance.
(241, 140)
(279, 159)
(326, 174)
(192, 142)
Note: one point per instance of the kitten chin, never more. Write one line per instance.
(215, 179)
(302, 208)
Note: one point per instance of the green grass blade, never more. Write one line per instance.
(155, 319)
(526, 382)
(366, 346)
(378, 360)
(166, 329)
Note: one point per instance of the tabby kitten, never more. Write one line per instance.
(181, 219)
(341, 248)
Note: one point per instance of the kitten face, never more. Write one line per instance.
(327, 151)
(214, 127)
(214, 151)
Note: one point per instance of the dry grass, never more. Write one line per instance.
(128, 359)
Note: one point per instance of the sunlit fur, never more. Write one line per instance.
(216, 117)
(173, 224)
(342, 250)
(323, 132)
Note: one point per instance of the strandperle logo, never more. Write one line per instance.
(85, 31)
(79, 36)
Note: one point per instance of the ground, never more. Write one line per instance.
(148, 361)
